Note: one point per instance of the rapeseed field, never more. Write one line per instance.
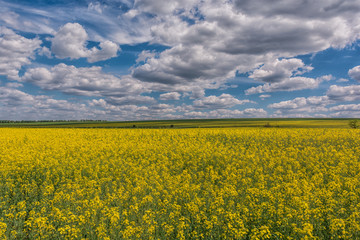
(179, 183)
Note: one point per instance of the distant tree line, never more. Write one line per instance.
(39, 121)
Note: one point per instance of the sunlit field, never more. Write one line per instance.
(254, 183)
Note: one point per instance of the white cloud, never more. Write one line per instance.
(13, 97)
(281, 75)
(347, 110)
(354, 73)
(14, 85)
(183, 64)
(197, 92)
(319, 104)
(214, 102)
(18, 105)
(301, 107)
(292, 84)
(301, 102)
(263, 96)
(15, 52)
(44, 51)
(95, 6)
(343, 80)
(226, 113)
(228, 36)
(131, 100)
(208, 43)
(10, 18)
(280, 70)
(83, 81)
(347, 93)
(70, 42)
(144, 55)
(345, 114)
(170, 96)
(231, 35)
(105, 20)
(134, 112)
(190, 68)
(25, 19)
(161, 7)
(107, 50)
(347, 107)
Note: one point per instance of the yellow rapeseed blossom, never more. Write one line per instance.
(179, 183)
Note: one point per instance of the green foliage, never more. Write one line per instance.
(267, 124)
(354, 124)
(190, 123)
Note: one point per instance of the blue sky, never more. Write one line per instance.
(157, 59)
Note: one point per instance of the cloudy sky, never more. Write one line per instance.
(161, 59)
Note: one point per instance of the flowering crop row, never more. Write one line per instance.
(179, 184)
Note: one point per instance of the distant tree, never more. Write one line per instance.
(353, 124)
(267, 124)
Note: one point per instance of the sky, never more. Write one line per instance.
(123, 60)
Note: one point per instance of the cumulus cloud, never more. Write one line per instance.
(14, 97)
(354, 73)
(226, 37)
(280, 70)
(321, 9)
(184, 64)
(44, 51)
(347, 107)
(82, 81)
(317, 104)
(290, 26)
(281, 75)
(144, 55)
(163, 7)
(231, 35)
(191, 68)
(348, 110)
(197, 92)
(134, 112)
(341, 93)
(292, 84)
(211, 107)
(18, 105)
(207, 43)
(15, 52)
(301, 102)
(107, 50)
(214, 102)
(130, 100)
(170, 96)
(226, 113)
(301, 107)
(70, 42)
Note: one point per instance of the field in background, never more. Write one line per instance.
(205, 123)
(229, 183)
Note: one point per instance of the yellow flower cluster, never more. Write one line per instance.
(179, 184)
